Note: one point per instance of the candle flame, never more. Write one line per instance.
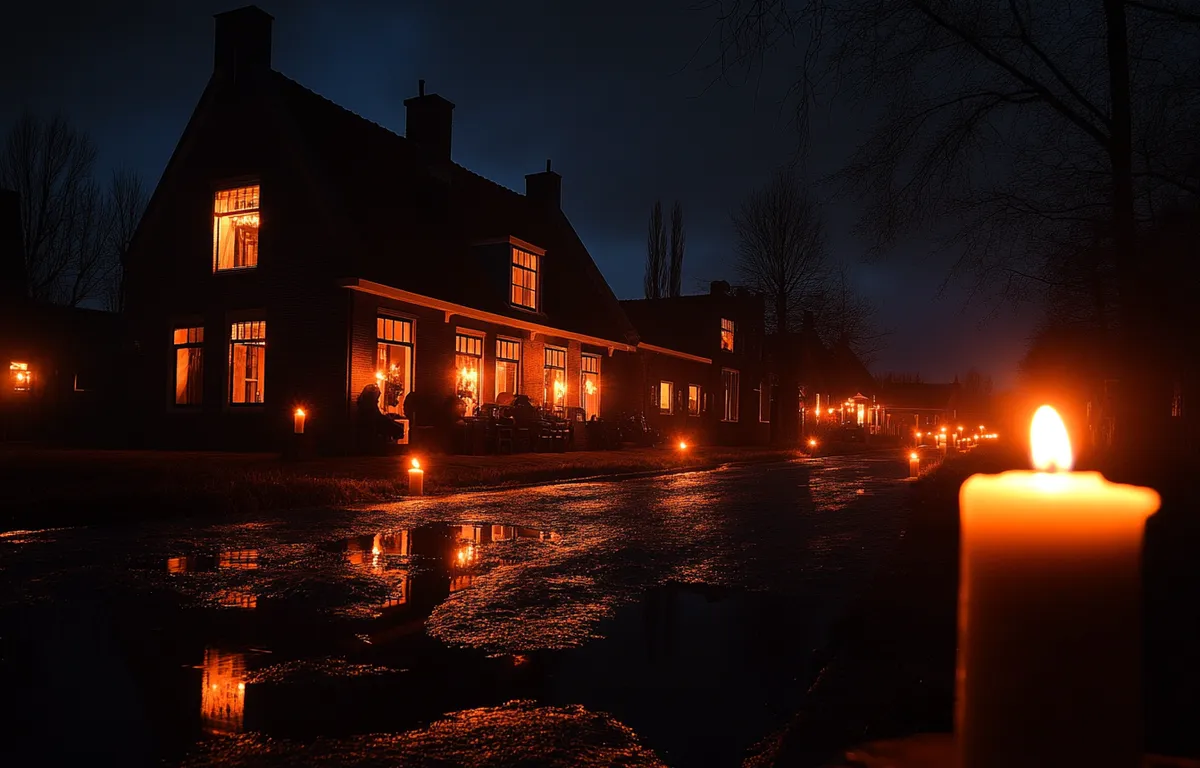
(913, 456)
(682, 445)
(1050, 442)
(299, 411)
(416, 464)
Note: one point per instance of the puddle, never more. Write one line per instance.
(624, 621)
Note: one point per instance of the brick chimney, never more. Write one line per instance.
(243, 47)
(428, 120)
(545, 188)
(12, 249)
(718, 288)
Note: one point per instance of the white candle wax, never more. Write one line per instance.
(416, 479)
(1049, 618)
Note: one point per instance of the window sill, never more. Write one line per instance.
(234, 270)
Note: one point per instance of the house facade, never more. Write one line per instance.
(701, 365)
(295, 255)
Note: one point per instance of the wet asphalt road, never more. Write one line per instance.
(672, 620)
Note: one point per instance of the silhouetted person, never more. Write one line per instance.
(371, 421)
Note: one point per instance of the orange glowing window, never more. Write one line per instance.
(235, 229)
(468, 369)
(22, 377)
(189, 365)
(554, 378)
(666, 397)
(247, 362)
(393, 362)
(693, 400)
(508, 367)
(524, 279)
(727, 330)
(589, 385)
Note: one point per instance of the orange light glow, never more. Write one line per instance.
(812, 443)
(913, 456)
(300, 413)
(416, 464)
(589, 387)
(379, 376)
(943, 430)
(682, 446)
(1051, 446)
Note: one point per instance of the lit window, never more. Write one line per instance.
(693, 400)
(666, 397)
(468, 369)
(730, 386)
(764, 401)
(393, 362)
(727, 329)
(22, 377)
(508, 367)
(247, 362)
(524, 279)
(589, 386)
(189, 366)
(554, 379)
(235, 229)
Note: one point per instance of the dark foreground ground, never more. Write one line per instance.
(671, 620)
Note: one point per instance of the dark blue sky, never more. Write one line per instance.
(604, 89)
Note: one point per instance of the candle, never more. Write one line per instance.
(914, 464)
(298, 421)
(416, 479)
(1049, 614)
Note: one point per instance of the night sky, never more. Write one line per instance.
(612, 92)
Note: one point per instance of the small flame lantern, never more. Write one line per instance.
(914, 464)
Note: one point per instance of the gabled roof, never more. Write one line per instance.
(414, 220)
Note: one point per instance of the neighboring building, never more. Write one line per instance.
(295, 253)
(913, 407)
(60, 364)
(700, 364)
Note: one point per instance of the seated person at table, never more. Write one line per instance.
(371, 421)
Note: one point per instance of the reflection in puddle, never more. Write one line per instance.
(241, 559)
(223, 691)
(236, 598)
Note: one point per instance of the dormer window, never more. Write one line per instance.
(727, 329)
(524, 292)
(235, 229)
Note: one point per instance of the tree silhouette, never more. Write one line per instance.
(678, 241)
(781, 247)
(656, 254)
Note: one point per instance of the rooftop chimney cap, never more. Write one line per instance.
(718, 288)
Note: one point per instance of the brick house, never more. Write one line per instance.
(295, 253)
(700, 364)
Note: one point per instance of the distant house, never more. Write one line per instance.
(913, 407)
(700, 362)
(296, 254)
(61, 365)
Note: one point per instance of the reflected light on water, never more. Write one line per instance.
(223, 691)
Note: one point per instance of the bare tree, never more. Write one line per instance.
(1017, 130)
(127, 199)
(76, 231)
(781, 247)
(656, 254)
(678, 242)
(845, 315)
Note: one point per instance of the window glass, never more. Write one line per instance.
(235, 228)
(666, 397)
(468, 369)
(730, 386)
(189, 365)
(393, 362)
(508, 367)
(247, 362)
(554, 379)
(524, 279)
(727, 329)
(589, 386)
(693, 400)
